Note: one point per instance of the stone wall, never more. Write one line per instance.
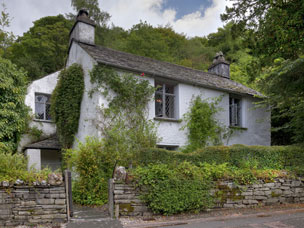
(127, 201)
(30, 205)
(280, 191)
(226, 193)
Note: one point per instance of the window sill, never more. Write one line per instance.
(44, 121)
(168, 119)
(239, 128)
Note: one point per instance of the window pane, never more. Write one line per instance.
(48, 112)
(169, 106)
(158, 105)
(39, 111)
(170, 89)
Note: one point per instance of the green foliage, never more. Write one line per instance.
(100, 17)
(42, 50)
(239, 156)
(6, 38)
(284, 85)
(172, 190)
(13, 112)
(278, 26)
(94, 166)
(202, 125)
(65, 103)
(14, 166)
(124, 122)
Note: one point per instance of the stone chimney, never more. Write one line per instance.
(220, 66)
(83, 29)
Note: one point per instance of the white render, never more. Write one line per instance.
(34, 158)
(255, 121)
(45, 85)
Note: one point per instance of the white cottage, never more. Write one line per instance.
(179, 85)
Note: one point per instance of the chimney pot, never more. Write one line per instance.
(83, 29)
(220, 66)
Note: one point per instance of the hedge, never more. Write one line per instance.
(265, 157)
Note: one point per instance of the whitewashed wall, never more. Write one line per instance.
(44, 85)
(255, 120)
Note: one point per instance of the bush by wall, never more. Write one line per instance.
(94, 167)
(261, 157)
(65, 103)
(172, 190)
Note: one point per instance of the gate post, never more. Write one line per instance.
(111, 197)
(68, 189)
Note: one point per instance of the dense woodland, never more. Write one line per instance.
(263, 41)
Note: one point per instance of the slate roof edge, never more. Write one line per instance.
(258, 95)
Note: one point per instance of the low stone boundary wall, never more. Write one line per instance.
(230, 195)
(30, 205)
(126, 201)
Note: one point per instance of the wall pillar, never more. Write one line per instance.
(34, 158)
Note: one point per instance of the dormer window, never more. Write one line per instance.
(164, 101)
(42, 106)
(235, 106)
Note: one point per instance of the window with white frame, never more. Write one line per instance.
(235, 111)
(42, 106)
(165, 100)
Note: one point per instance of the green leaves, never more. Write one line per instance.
(43, 49)
(65, 103)
(13, 111)
(124, 122)
(202, 125)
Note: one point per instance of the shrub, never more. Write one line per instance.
(14, 166)
(173, 190)
(239, 156)
(93, 166)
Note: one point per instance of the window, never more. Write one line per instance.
(172, 148)
(42, 107)
(235, 111)
(164, 101)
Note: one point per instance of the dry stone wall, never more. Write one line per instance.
(230, 195)
(227, 194)
(30, 205)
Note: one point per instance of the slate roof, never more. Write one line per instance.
(51, 143)
(159, 69)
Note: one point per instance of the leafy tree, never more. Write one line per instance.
(13, 111)
(160, 43)
(278, 26)
(43, 49)
(100, 17)
(284, 84)
(6, 38)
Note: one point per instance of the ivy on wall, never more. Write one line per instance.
(124, 123)
(65, 103)
(203, 128)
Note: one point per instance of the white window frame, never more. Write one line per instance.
(44, 104)
(161, 96)
(235, 111)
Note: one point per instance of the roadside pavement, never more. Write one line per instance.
(281, 216)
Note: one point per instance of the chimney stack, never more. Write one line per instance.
(220, 66)
(83, 29)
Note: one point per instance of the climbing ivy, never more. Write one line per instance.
(124, 121)
(65, 103)
(203, 128)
